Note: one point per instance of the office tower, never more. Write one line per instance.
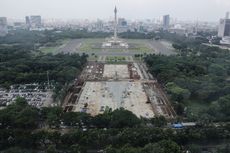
(122, 22)
(224, 27)
(227, 15)
(3, 26)
(166, 21)
(27, 21)
(35, 21)
(99, 25)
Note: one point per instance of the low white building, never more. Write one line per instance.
(225, 41)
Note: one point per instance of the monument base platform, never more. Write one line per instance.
(115, 43)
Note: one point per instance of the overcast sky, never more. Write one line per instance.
(207, 10)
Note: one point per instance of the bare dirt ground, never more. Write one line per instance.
(116, 71)
(130, 86)
(98, 96)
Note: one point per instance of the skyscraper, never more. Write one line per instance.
(122, 22)
(35, 21)
(3, 26)
(166, 21)
(27, 21)
(99, 25)
(224, 27)
(227, 15)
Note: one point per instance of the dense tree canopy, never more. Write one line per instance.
(26, 128)
(18, 65)
(201, 74)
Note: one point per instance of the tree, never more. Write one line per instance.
(27, 118)
(224, 103)
(152, 148)
(51, 149)
(70, 118)
(178, 94)
(110, 149)
(102, 120)
(75, 149)
(52, 115)
(18, 150)
(194, 148)
(121, 118)
(226, 149)
(179, 108)
(128, 149)
(159, 121)
(169, 146)
(19, 115)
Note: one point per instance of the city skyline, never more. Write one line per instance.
(135, 9)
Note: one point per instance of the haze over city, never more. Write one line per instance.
(114, 76)
(205, 10)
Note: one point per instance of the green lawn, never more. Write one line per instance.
(138, 58)
(47, 50)
(92, 58)
(113, 58)
(53, 48)
(87, 44)
(141, 45)
(116, 59)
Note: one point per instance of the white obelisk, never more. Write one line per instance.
(115, 23)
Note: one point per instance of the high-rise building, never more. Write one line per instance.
(122, 22)
(166, 21)
(227, 15)
(122, 25)
(224, 27)
(224, 30)
(99, 25)
(3, 26)
(35, 21)
(27, 21)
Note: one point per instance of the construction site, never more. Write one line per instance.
(103, 86)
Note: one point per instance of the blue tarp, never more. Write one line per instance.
(177, 126)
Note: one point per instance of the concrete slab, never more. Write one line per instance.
(97, 96)
(116, 71)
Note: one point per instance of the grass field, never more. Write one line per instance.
(87, 44)
(116, 59)
(92, 58)
(53, 48)
(138, 58)
(141, 45)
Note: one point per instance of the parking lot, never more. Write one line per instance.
(33, 93)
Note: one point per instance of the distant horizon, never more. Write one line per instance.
(183, 10)
(22, 19)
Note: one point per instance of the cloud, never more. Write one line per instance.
(222, 2)
(133, 9)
